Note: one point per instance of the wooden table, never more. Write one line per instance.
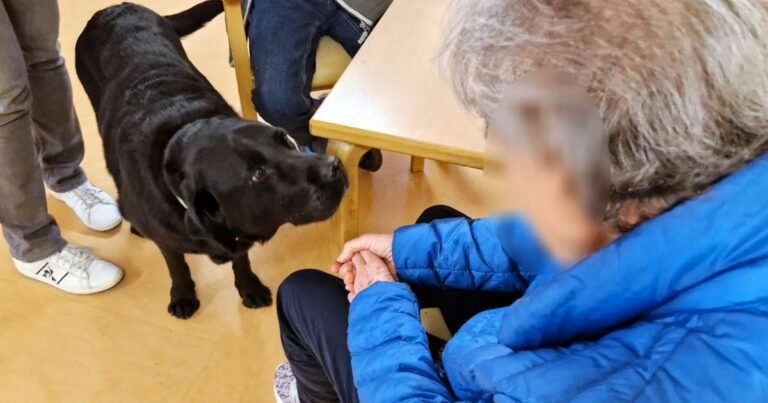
(392, 97)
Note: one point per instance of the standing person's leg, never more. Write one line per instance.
(38, 250)
(58, 139)
(312, 310)
(30, 231)
(57, 131)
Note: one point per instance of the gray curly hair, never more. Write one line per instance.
(680, 85)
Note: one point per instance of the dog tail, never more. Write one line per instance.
(189, 21)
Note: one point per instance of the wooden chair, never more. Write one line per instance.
(331, 59)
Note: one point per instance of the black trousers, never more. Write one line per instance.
(312, 311)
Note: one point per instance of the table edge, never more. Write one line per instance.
(384, 141)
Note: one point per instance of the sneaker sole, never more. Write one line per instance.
(278, 398)
(97, 229)
(85, 292)
(105, 229)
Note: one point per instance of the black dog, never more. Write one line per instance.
(191, 175)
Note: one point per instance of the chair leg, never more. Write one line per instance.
(417, 164)
(346, 218)
(238, 45)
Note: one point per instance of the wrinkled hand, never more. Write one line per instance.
(378, 244)
(363, 270)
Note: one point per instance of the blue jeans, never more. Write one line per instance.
(284, 35)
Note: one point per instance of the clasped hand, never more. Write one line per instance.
(364, 261)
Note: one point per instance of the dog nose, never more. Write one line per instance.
(328, 170)
(333, 170)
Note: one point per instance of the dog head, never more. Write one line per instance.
(240, 181)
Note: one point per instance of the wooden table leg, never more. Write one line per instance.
(346, 218)
(417, 164)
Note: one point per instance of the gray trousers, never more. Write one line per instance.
(40, 139)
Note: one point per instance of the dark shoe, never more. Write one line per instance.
(319, 145)
(372, 160)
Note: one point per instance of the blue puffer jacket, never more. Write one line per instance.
(676, 310)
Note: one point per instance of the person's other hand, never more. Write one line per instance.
(368, 269)
(347, 273)
(378, 244)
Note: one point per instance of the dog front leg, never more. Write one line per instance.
(252, 291)
(184, 301)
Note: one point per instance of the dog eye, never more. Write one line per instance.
(258, 175)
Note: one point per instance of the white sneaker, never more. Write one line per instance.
(74, 270)
(95, 208)
(286, 390)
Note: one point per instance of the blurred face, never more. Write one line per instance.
(541, 191)
(526, 147)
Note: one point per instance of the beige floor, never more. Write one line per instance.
(122, 346)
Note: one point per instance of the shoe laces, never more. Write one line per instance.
(90, 196)
(74, 260)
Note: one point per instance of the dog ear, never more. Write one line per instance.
(205, 211)
(205, 219)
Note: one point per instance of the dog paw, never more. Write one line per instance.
(258, 297)
(183, 307)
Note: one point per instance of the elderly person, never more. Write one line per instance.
(663, 300)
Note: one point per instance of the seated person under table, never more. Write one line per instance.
(284, 36)
(637, 269)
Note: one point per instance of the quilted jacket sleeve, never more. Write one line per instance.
(391, 361)
(490, 254)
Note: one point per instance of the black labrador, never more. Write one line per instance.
(191, 175)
